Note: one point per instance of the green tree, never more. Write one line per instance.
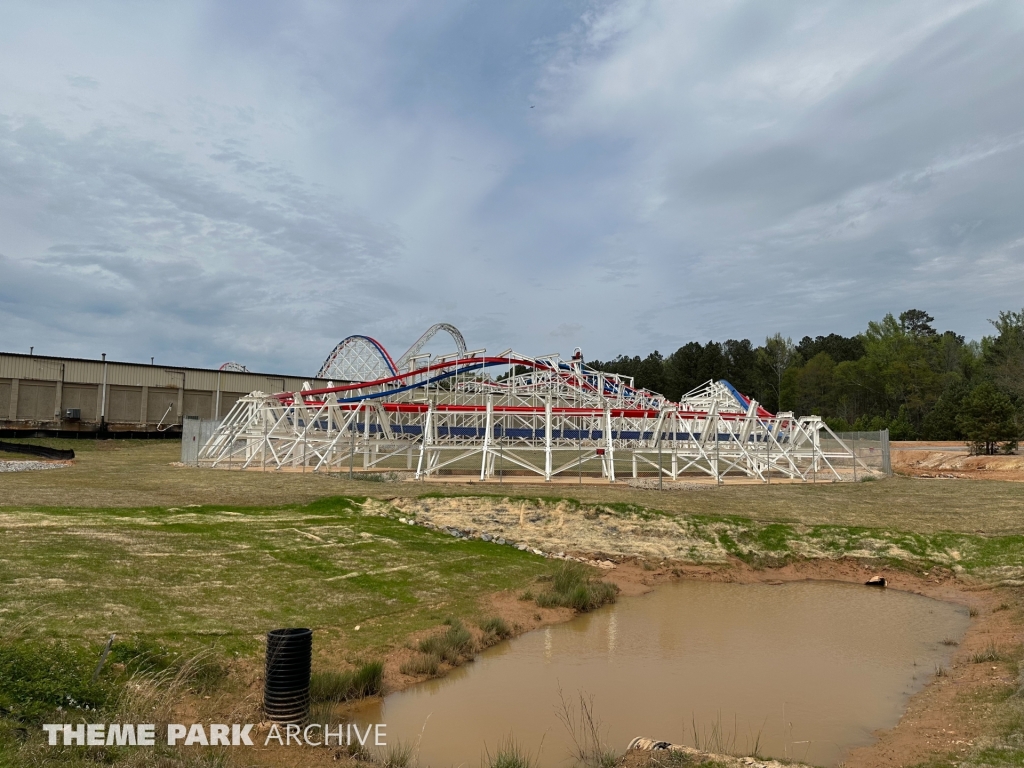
(650, 373)
(740, 359)
(839, 348)
(917, 322)
(987, 418)
(898, 373)
(773, 360)
(814, 385)
(941, 421)
(1004, 355)
(694, 364)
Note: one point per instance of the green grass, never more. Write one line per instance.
(989, 655)
(216, 576)
(453, 646)
(573, 586)
(1000, 756)
(496, 627)
(366, 680)
(509, 754)
(37, 678)
(428, 664)
(397, 754)
(137, 474)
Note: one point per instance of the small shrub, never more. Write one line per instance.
(949, 641)
(398, 754)
(141, 655)
(496, 627)
(424, 664)
(38, 677)
(321, 712)
(573, 587)
(940, 671)
(990, 654)
(203, 672)
(367, 680)
(509, 755)
(972, 612)
(527, 595)
(451, 645)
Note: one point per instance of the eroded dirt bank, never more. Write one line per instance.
(952, 460)
(601, 533)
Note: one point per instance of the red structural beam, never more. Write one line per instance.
(309, 396)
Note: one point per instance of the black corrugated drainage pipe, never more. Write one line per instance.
(286, 685)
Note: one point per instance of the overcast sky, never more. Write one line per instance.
(255, 181)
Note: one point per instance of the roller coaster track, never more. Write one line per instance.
(539, 415)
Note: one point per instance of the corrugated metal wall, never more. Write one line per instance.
(5, 400)
(36, 392)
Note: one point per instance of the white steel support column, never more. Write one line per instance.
(488, 434)
(609, 451)
(425, 441)
(366, 436)
(547, 439)
(816, 441)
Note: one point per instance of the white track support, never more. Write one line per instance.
(544, 416)
(548, 434)
(488, 434)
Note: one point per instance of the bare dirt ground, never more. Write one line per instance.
(953, 461)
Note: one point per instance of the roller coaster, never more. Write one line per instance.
(505, 415)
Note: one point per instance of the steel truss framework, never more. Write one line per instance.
(544, 416)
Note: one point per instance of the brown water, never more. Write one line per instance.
(814, 667)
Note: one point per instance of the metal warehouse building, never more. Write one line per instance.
(66, 394)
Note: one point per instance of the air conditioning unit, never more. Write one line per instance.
(73, 414)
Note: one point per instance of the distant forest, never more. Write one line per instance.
(900, 374)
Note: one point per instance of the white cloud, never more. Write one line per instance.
(256, 182)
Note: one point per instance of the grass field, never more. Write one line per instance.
(110, 474)
(225, 575)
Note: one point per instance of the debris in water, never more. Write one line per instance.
(876, 581)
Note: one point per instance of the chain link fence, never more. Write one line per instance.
(871, 450)
(195, 432)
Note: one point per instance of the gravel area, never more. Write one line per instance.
(26, 466)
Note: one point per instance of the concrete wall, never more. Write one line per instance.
(35, 393)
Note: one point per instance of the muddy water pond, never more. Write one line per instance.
(811, 669)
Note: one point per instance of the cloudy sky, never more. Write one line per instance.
(255, 181)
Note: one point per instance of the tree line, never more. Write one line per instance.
(899, 374)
